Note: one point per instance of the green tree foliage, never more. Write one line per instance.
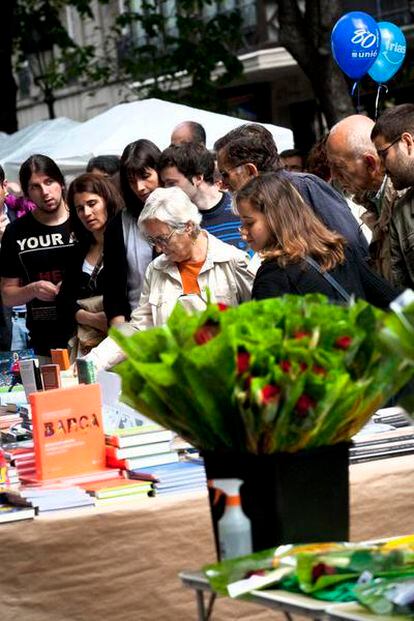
(305, 31)
(176, 53)
(179, 53)
(40, 28)
(32, 27)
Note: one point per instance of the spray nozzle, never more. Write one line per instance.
(229, 487)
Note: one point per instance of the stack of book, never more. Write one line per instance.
(389, 433)
(132, 439)
(9, 415)
(11, 513)
(178, 477)
(118, 489)
(12, 476)
(45, 498)
(139, 447)
(21, 455)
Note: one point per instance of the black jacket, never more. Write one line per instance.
(299, 278)
(329, 206)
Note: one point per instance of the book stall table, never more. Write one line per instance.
(354, 612)
(282, 601)
(121, 562)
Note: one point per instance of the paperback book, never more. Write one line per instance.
(11, 513)
(50, 499)
(68, 431)
(138, 451)
(135, 437)
(142, 462)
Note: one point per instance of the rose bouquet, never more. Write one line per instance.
(281, 374)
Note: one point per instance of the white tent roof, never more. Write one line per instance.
(111, 131)
(3, 139)
(39, 137)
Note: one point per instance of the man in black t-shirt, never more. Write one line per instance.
(35, 252)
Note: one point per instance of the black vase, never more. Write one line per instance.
(288, 497)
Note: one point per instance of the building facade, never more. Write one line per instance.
(273, 88)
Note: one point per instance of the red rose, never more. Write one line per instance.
(318, 370)
(285, 365)
(206, 332)
(343, 342)
(304, 404)
(303, 366)
(222, 307)
(243, 362)
(301, 334)
(270, 393)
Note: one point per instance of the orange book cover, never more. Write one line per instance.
(60, 357)
(68, 431)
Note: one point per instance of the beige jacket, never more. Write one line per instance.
(225, 273)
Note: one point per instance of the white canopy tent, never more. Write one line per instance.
(39, 137)
(3, 139)
(109, 132)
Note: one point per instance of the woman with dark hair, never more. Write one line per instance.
(300, 254)
(106, 165)
(93, 201)
(126, 251)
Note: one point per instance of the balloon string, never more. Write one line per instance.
(355, 89)
(377, 99)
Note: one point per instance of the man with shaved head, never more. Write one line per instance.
(188, 131)
(358, 169)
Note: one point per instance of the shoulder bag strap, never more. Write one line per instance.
(95, 272)
(330, 279)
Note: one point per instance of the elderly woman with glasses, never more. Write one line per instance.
(191, 262)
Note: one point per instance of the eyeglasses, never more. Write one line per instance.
(382, 153)
(226, 173)
(161, 240)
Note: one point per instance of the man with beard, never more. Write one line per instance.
(393, 136)
(35, 251)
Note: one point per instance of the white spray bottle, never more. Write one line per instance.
(234, 529)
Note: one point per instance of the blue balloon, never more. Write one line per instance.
(391, 55)
(355, 41)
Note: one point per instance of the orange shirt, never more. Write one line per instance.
(189, 273)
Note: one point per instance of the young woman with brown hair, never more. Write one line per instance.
(93, 201)
(300, 255)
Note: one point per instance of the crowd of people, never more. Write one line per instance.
(134, 235)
